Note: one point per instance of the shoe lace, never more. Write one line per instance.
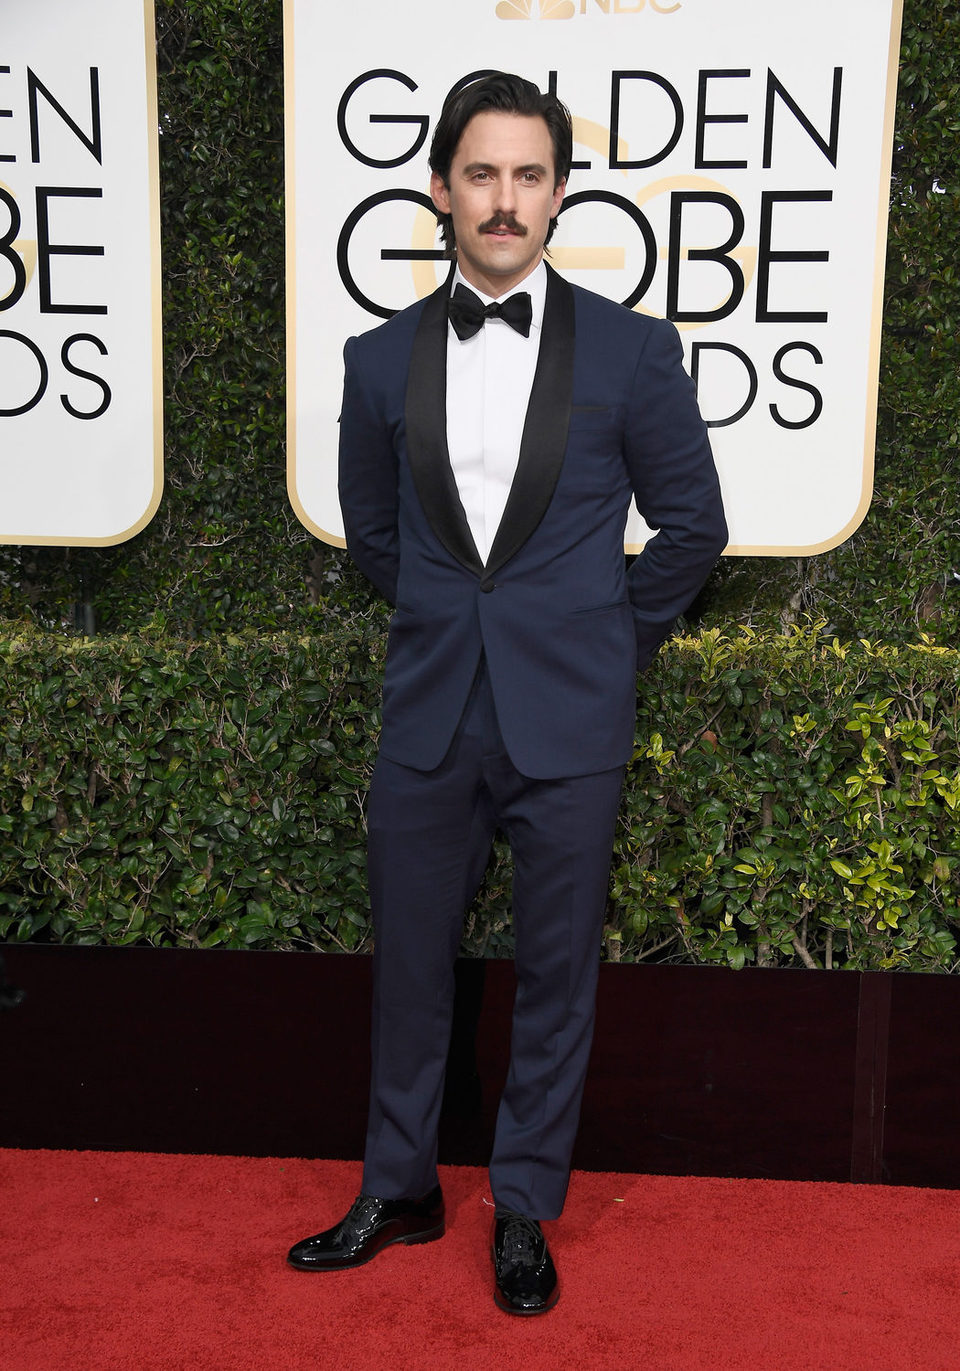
(522, 1240)
(360, 1211)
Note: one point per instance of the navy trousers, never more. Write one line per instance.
(429, 838)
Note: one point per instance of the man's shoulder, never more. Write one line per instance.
(600, 312)
(393, 334)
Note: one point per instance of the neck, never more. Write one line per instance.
(494, 286)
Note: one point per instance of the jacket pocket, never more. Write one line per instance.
(608, 607)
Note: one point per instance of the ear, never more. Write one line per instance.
(439, 193)
(558, 195)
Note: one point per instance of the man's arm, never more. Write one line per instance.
(368, 482)
(678, 494)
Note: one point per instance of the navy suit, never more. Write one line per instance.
(509, 694)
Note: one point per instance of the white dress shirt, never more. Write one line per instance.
(489, 379)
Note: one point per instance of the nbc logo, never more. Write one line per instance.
(544, 9)
(566, 9)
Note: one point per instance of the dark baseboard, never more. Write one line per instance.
(796, 1075)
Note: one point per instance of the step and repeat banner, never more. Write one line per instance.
(732, 173)
(81, 458)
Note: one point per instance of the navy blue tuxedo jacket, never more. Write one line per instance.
(563, 624)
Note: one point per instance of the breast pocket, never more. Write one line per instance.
(596, 418)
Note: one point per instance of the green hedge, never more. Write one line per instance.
(791, 800)
(782, 806)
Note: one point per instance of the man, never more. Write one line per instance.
(492, 437)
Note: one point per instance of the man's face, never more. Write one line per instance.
(501, 196)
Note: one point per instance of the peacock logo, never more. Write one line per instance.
(536, 9)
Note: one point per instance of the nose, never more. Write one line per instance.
(506, 199)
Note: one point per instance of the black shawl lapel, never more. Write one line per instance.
(426, 417)
(545, 428)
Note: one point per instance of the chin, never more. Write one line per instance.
(505, 260)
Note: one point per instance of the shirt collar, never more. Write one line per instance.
(535, 285)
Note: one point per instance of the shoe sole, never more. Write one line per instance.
(509, 1308)
(408, 1240)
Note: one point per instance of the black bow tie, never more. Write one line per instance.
(468, 313)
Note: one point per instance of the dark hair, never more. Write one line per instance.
(510, 95)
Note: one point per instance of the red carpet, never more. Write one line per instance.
(131, 1262)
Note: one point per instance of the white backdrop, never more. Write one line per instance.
(80, 367)
(734, 172)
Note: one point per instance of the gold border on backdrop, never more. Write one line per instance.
(873, 365)
(290, 223)
(876, 321)
(156, 320)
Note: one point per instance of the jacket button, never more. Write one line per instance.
(487, 586)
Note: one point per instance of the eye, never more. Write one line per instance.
(530, 178)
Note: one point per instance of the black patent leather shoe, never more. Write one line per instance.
(526, 1278)
(371, 1225)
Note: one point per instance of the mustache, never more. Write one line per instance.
(505, 221)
